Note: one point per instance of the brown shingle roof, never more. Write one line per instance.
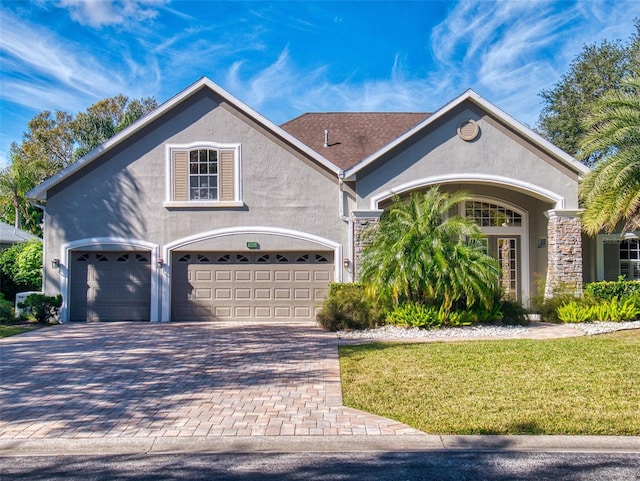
(353, 136)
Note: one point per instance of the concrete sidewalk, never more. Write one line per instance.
(285, 444)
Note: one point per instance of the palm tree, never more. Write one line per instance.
(418, 253)
(610, 193)
(16, 180)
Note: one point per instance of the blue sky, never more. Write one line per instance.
(287, 58)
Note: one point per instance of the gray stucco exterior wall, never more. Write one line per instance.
(122, 195)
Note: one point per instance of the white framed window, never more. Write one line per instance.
(203, 174)
(617, 256)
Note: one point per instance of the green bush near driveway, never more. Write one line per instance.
(348, 306)
(576, 386)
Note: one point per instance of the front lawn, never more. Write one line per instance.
(584, 385)
(12, 330)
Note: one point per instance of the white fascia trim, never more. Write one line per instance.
(227, 231)
(350, 174)
(538, 191)
(40, 192)
(237, 173)
(107, 242)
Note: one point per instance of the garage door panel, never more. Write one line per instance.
(282, 276)
(263, 275)
(282, 312)
(302, 312)
(262, 294)
(302, 294)
(242, 293)
(251, 286)
(223, 275)
(243, 312)
(202, 294)
(243, 276)
(321, 276)
(302, 276)
(222, 294)
(203, 276)
(263, 312)
(282, 293)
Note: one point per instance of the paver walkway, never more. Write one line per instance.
(124, 380)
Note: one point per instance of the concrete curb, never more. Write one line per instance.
(291, 444)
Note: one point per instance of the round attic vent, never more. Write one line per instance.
(468, 130)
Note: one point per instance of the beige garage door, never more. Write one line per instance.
(235, 286)
(110, 286)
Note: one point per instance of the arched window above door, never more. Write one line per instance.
(488, 214)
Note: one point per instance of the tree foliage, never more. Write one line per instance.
(52, 142)
(596, 70)
(419, 253)
(610, 192)
(22, 264)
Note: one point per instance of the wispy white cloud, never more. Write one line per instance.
(51, 72)
(100, 13)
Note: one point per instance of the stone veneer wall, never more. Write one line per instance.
(361, 221)
(564, 250)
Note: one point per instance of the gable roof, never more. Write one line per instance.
(351, 136)
(10, 235)
(470, 96)
(40, 192)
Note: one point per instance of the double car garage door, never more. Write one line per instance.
(249, 285)
(205, 286)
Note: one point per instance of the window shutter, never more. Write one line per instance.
(180, 176)
(611, 254)
(227, 175)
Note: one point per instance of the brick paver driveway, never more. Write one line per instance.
(180, 379)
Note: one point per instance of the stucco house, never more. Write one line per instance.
(206, 210)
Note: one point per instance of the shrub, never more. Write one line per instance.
(7, 313)
(412, 314)
(513, 313)
(348, 306)
(418, 315)
(609, 289)
(614, 310)
(574, 312)
(43, 308)
(562, 295)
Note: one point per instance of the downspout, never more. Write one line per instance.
(347, 219)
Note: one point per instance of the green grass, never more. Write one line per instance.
(584, 385)
(9, 330)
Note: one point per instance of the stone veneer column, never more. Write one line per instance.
(361, 220)
(564, 251)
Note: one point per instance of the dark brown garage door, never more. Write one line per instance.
(110, 286)
(261, 286)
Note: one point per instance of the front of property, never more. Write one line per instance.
(205, 210)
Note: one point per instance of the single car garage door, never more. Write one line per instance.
(110, 286)
(210, 286)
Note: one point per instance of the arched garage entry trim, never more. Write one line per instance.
(513, 184)
(230, 231)
(106, 243)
